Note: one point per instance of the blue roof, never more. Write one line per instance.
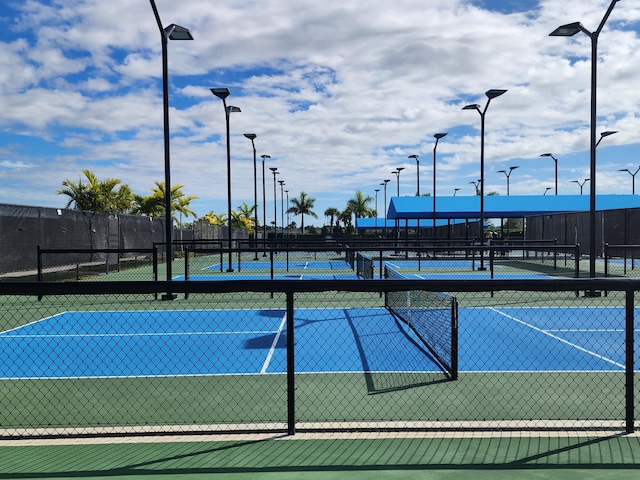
(496, 206)
(378, 223)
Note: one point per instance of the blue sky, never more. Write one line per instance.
(339, 95)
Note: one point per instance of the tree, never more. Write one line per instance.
(332, 213)
(216, 218)
(359, 205)
(97, 195)
(243, 217)
(154, 205)
(302, 206)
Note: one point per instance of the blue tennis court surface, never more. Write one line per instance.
(216, 342)
(284, 265)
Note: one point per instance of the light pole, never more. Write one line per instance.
(172, 32)
(508, 174)
(252, 136)
(546, 190)
(377, 190)
(275, 172)
(281, 182)
(397, 174)
(222, 94)
(633, 178)
(476, 185)
(555, 160)
(384, 184)
(580, 183)
(455, 190)
(264, 207)
(570, 30)
(491, 94)
(287, 211)
(417, 159)
(437, 136)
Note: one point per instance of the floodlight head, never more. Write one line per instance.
(438, 136)
(624, 170)
(176, 32)
(607, 133)
(414, 156)
(281, 182)
(494, 93)
(473, 106)
(250, 136)
(265, 156)
(399, 169)
(502, 171)
(221, 93)
(231, 109)
(513, 168)
(568, 30)
(387, 181)
(273, 169)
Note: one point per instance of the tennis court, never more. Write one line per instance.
(81, 344)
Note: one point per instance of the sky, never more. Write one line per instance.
(339, 93)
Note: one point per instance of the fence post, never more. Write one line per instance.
(291, 369)
(629, 363)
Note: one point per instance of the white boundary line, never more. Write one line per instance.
(561, 340)
(274, 344)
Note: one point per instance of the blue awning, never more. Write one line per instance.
(514, 206)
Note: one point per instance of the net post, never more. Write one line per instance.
(186, 268)
(291, 371)
(629, 363)
(454, 339)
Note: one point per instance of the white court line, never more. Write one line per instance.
(533, 327)
(151, 334)
(274, 344)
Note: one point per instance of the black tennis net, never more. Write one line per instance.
(364, 266)
(433, 317)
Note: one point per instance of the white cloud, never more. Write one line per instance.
(337, 93)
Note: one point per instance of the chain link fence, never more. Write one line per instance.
(95, 358)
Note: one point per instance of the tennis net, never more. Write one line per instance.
(364, 266)
(432, 316)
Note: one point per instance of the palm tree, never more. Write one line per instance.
(216, 218)
(243, 218)
(359, 205)
(332, 213)
(97, 195)
(302, 206)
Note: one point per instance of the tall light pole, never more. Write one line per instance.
(252, 137)
(476, 185)
(222, 94)
(264, 207)
(396, 172)
(455, 190)
(570, 30)
(580, 183)
(491, 94)
(377, 190)
(546, 190)
(384, 184)
(508, 174)
(555, 160)
(287, 212)
(275, 172)
(417, 159)
(633, 178)
(172, 32)
(437, 136)
(281, 182)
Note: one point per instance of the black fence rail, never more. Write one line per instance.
(110, 358)
(621, 260)
(68, 264)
